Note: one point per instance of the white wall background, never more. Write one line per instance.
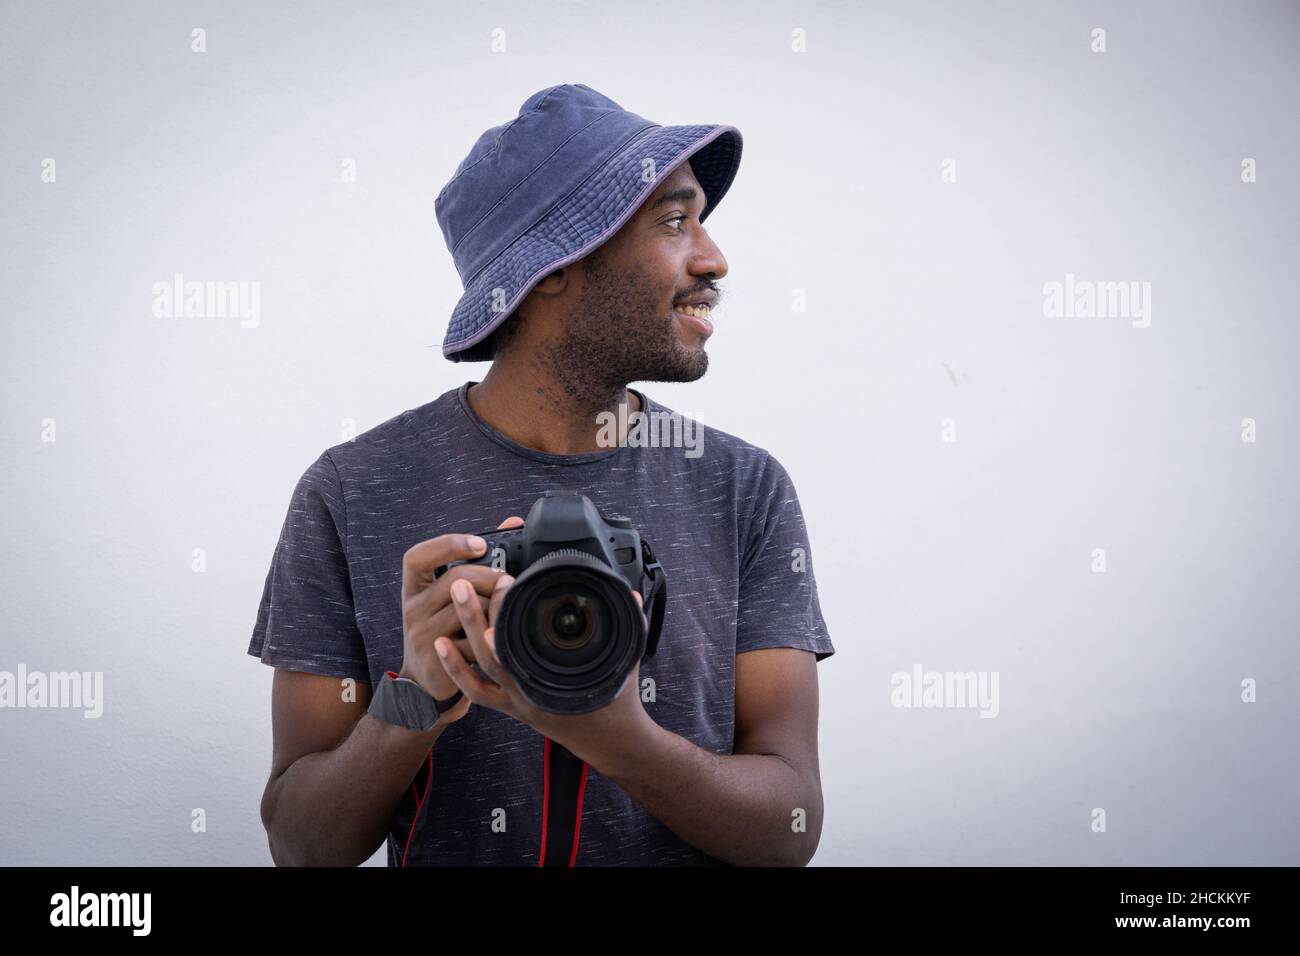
(1119, 690)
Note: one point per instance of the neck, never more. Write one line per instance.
(536, 411)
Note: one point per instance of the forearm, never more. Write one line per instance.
(744, 809)
(334, 808)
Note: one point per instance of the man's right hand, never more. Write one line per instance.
(427, 611)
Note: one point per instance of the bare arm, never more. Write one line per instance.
(761, 805)
(338, 774)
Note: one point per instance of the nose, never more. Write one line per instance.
(707, 259)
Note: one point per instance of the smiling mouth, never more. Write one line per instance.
(697, 311)
(696, 318)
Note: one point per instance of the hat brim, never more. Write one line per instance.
(584, 220)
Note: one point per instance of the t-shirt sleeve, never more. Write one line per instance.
(307, 620)
(778, 604)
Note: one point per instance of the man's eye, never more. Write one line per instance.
(676, 219)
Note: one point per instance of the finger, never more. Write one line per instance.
(419, 560)
(473, 623)
(423, 617)
(469, 613)
(478, 690)
(640, 602)
(462, 644)
(434, 597)
(514, 521)
(498, 598)
(444, 623)
(507, 679)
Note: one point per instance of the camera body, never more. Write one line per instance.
(569, 630)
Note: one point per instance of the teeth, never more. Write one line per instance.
(701, 312)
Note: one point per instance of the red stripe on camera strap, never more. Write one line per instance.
(564, 778)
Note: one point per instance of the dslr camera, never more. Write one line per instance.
(569, 630)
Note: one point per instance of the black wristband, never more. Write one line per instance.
(401, 701)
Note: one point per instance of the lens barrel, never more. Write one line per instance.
(570, 632)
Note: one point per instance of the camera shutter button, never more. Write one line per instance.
(619, 521)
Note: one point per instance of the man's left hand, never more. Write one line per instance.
(597, 737)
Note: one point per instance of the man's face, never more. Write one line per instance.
(623, 321)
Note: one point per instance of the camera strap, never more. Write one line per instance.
(564, 775)
(564, 780)
(657, 598)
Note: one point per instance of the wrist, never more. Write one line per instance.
(436, 692)
(629, 748)
(402, 700)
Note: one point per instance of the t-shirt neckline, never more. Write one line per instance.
(533, 454)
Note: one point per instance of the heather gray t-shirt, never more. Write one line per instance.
(723, 519)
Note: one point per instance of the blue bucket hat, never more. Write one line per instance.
(548, 187)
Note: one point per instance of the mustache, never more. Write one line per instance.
(686, 297)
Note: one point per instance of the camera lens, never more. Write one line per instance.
(570, 622)
(568, 626)
(570, 632)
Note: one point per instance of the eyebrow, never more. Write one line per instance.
(685, 194)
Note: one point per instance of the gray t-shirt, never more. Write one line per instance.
(723, 519)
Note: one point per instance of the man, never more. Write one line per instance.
(577, 230)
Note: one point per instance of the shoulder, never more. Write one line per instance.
(373, 451)
(752, 476)
(710, 447)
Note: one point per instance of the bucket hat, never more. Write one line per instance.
(552, 184)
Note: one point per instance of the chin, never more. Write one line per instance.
(687, 365)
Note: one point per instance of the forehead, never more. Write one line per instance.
(683, 177)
